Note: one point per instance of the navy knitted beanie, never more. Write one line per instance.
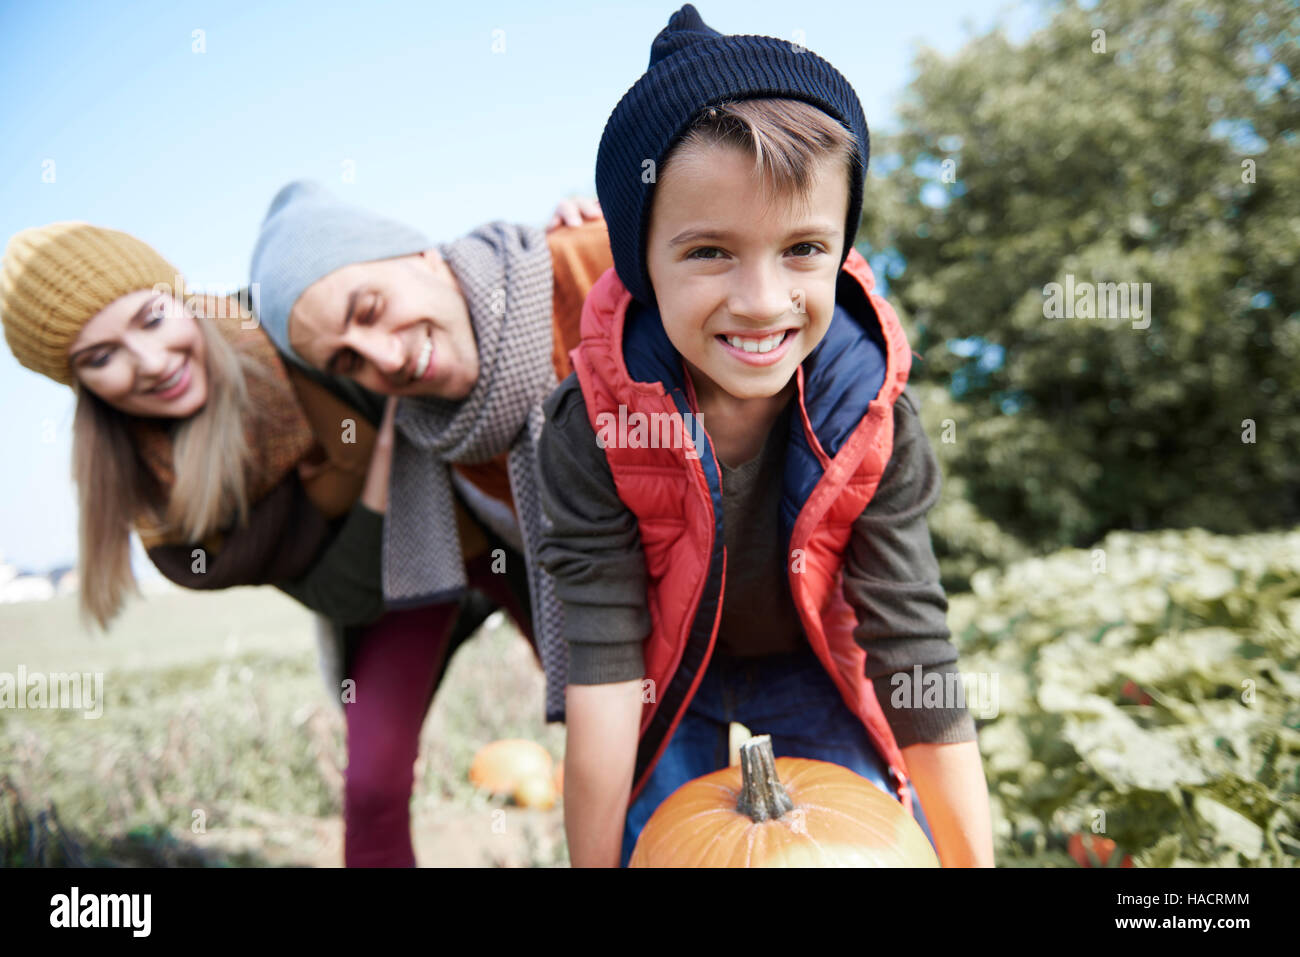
(692, 66)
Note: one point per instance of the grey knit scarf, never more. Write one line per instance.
(504, 272)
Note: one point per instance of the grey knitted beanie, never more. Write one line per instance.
(308, 233)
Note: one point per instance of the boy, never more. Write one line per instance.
(716, 578)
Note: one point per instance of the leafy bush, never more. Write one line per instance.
(1146, 690)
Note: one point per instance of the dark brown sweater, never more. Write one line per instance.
(891, 577)
(326, 560)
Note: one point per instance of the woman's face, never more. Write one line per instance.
(144, 355)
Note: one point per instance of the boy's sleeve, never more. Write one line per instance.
(592, 549)
(891, 578)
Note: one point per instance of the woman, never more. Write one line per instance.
(185, 426)
(233, 468)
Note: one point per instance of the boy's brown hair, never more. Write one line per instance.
(786, 138)
(692, 69)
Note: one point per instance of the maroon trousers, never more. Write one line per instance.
(397, 666)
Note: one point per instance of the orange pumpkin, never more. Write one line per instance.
(536, 792)
(781, 812)
(501, 765)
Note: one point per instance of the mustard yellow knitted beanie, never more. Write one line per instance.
(55, 278)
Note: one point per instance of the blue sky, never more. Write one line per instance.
(185, 149)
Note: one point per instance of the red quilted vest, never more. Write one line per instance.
(675, 495)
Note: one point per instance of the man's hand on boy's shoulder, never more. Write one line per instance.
(574, 211)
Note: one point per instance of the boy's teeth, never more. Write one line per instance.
(757, 345)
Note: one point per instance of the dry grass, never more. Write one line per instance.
(219, 746)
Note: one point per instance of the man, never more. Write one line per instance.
(466, 338)
(471, 336)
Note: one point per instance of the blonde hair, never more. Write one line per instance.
(786, 138)
(116, 489)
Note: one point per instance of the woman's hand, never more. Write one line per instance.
(374, 494)
(574, 211)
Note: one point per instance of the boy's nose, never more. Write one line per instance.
(761, 295)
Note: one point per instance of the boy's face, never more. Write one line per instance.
(746, 287)
(396, 326)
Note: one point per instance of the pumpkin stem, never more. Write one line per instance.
(762, 796)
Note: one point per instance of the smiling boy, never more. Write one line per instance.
(782, 574)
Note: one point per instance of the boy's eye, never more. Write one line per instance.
(97, 360)
(698, 253)
(151, 321)
(811, 247)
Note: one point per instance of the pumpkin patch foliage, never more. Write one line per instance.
(1147, 693)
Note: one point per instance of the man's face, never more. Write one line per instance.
(396, 326)
(746, 287)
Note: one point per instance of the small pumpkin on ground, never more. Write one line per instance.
(781, 812)
(535, 792)
(499, 767)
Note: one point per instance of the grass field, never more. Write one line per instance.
(219, 745)
(1147, 692)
